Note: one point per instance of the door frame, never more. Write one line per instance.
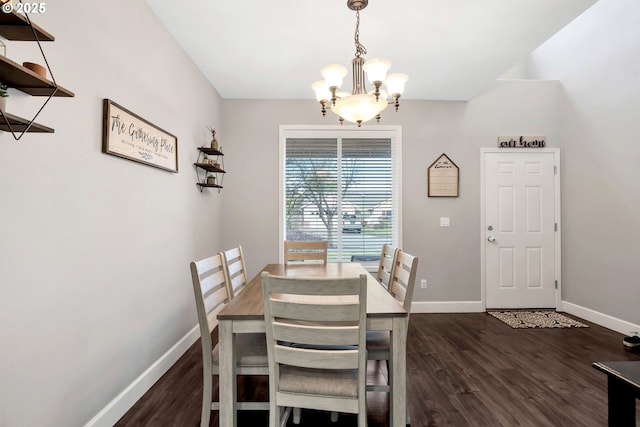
(557, 215)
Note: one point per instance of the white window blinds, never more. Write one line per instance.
(343, 190)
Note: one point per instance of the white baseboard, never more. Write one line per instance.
(447, 307)
(598, 318)
(609, 322)
(111, 413)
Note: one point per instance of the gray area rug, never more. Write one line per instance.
(536, 319)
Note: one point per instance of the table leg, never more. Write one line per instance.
(227, 377)
(622, 403)
(399, 367)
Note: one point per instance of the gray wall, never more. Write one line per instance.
(449, 257)
(600, 152)
(94, 250)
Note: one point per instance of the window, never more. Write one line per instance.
(341, 186)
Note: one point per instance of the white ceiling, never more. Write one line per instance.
(274, 49)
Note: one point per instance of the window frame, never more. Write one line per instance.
(394, 133)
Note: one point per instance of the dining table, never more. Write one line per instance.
(245, 314)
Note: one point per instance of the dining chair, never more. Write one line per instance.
(212, 294)
(235, 270)
(386, 265)
(401, 287)
(316, 343)
(303, 251)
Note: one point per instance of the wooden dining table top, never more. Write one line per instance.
(248, 305)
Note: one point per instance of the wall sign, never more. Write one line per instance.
(131, 137)
(521, 142)
(443, 178)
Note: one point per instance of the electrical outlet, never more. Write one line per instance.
(423, 284)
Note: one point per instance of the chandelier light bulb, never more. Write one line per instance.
(395, 83)
(376, 69)
(321, 90)
(333, 75)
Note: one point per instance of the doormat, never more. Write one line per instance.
(536, 319)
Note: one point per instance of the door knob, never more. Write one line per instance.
(491, 239)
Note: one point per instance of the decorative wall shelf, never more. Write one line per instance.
(15, 75)
(15, 26)
(18, 124)
(209, 168)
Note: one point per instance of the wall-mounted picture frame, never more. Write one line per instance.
(443, 178)
(129, 136)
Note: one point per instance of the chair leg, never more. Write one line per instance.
(390, 374)
(362, 418)
(275, 415)
(207, 393)
(285, 416)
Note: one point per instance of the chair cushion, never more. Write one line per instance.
(251, 350)
(323, 382)
(378, 341)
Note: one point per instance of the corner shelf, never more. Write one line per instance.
(18, 27)
(207, 167)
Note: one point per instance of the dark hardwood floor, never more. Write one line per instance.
(462, 370)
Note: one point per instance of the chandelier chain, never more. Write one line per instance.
(360, 49)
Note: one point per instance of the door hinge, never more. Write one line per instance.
(555, 170)
(556, 284)
(555, 226)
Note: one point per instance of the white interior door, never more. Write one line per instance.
(521, 223)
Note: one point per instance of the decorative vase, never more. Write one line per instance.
(36, 68)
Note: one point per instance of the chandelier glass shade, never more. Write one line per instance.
(360, 105)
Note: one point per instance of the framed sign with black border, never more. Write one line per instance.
(443, 178)
(127, 135)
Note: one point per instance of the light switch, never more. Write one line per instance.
(444, 221)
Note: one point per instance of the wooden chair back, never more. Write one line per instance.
(235, 270)
(404, 278)
(212, 292)
(316, 337)
(305, 251)
(386, 265)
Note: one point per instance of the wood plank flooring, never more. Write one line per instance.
(462, 370)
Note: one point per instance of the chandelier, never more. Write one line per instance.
(360, 105)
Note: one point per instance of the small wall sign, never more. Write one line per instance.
(131, 137)
(443, 178)
(521, 142)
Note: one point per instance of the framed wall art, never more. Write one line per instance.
(127, 135)
(443, 178)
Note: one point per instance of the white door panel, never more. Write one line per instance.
(519, 221)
